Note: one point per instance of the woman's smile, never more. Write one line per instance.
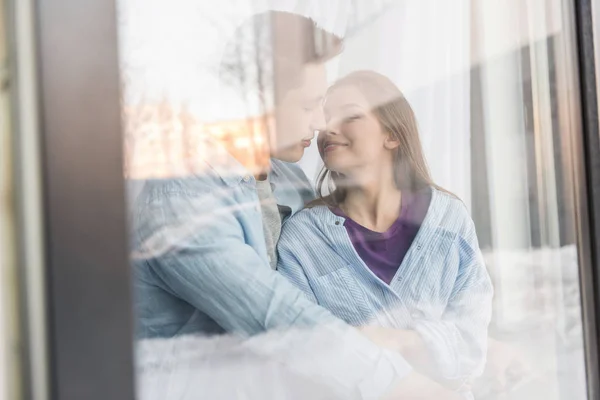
(332, 145)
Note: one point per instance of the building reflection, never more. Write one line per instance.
(162, 141)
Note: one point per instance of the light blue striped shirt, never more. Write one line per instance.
(441, 290)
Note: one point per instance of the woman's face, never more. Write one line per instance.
(354, 139)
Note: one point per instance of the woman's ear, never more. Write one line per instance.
(391, 142)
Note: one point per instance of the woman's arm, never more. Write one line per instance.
(452, 348)
(458, 340)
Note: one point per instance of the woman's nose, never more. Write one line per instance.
(333, 127)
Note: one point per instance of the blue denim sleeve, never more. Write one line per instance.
(198, 249)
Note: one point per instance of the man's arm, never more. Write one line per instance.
(277, 365)
(419, 387)
(194, 243)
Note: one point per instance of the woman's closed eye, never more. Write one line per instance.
(352, 118)
(342, 120)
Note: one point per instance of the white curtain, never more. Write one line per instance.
(424, 47)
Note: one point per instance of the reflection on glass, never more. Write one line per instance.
(447, 268)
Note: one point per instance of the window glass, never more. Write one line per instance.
(348, 199)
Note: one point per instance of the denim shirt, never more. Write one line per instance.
(198, 248)
(200, 267)
(441, 290)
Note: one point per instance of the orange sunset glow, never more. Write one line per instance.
(161, 141)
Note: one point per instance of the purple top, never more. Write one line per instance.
(383, 252)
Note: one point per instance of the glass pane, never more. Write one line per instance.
(347, 199)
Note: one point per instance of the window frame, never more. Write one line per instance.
(88, 277)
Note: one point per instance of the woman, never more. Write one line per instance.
(387, 247)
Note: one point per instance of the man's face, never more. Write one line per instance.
(299, 114)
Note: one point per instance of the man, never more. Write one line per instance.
(204, 245)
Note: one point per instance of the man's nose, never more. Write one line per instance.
(317, 122)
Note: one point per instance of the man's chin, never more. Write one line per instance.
(290, 154)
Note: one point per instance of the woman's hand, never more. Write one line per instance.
(400, 340)
(506, 369)
(411, 346)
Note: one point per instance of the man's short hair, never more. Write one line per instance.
(267, 53)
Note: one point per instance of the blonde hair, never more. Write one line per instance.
(396, 118)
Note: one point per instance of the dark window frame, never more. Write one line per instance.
(587, 153)
(90, 332)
